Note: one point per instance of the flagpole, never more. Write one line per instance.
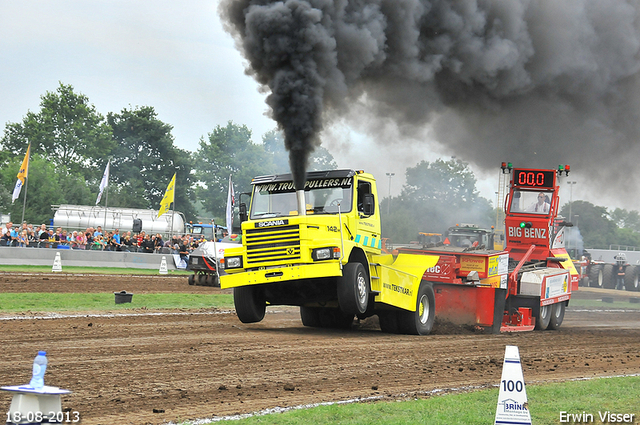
(24, 202)
(106, 202)
(173, 211)
(26, 183)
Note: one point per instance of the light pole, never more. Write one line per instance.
(570, 197)
(389, 200)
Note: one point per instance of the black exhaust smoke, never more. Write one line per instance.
(530, 81)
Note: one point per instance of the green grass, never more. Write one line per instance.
(617, 395)
(89, 270)
(626, 305)
(57, 302)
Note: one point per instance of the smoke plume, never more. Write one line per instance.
(538, 83)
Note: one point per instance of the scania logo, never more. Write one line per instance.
(290, 251)
(271, 223)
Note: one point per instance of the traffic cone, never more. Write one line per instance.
(163, 266)
(57, 263)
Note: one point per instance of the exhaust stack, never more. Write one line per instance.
(302, 206)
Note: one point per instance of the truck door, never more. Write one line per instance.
(368, 232)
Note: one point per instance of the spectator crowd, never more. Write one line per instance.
(29, 236)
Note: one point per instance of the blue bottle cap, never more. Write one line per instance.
(42, 353)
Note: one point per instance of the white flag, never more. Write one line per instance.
(104, 182)
(230, 203)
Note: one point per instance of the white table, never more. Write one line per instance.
(30, 406)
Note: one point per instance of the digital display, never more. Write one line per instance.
(542, 179)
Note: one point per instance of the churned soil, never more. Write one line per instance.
(137, 366)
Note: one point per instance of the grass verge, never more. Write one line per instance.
(57, 302)
(546, 402)
(90, 270)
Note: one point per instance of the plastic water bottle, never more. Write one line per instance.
(39, 368)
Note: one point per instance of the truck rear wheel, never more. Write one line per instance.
(250, 304)
(420, 322)
(353, 289)
(596, 277)
(388, 321)
(632, 279)
(334, 318)
(557, 316)
(608, 277)
(543, 319)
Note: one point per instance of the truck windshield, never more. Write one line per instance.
(322, 196)
(531, 202)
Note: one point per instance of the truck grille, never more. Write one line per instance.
(273, 244)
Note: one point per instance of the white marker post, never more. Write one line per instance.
(513, 408)
(57, 263)
(163, 266)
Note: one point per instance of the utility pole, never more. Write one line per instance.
(389, 200)
(570, 197)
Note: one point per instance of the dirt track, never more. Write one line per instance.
(197, 364)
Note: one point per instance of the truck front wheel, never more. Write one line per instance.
(420, 322)
(250, 304)
(353, 289)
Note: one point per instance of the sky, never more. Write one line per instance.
(177, 58)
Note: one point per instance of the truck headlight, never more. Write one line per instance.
(232, 262)
(328, 253)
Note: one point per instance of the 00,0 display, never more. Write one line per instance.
(533, 178)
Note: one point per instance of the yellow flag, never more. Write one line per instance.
(22, 175)
(168, 197)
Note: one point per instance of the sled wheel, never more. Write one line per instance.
(542, 321)
(353, 289)
(191, 279)
(557, 316)
(420, 321)
(250, 304)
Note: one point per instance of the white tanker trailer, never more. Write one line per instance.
(79, 217)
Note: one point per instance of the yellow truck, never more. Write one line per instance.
(320, 249)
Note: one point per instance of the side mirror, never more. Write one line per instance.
(243, 212)
(368, 204)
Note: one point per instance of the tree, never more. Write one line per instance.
(46, 186)
(596, 227)
(144, 162)
(436, 196)
(273, 142)
(67, 130)
(228, 151)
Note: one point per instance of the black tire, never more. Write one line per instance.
(202, 279)
(596, 277)
(608, 277)
(191, 279)
(632, 279)
(388, 321)
(557, 316)
(212, 280)
(420, 321)
(543, 319)
(353, 289)
(250, 304)
(334, 318)
(310, 316)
